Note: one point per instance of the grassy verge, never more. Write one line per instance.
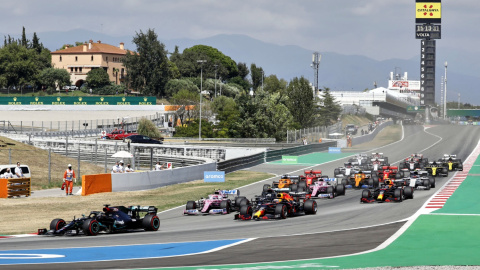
(386, 136)
(39, 212)
(354, 119)
(37, 160)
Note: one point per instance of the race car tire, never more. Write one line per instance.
(90, 227)
(344, 181)
(408, 192)
(426, 183)
(191, 205)
(340, 189)
(57, 224)
(151, 223)
(386, 160)
(370, 182)
(336, 172)
(398, 194)
(294, 188)
(375, 181)
(238, 200)
(302, 184)
(331, 190)
(244, 202)
(281, 209)
(246, 210)
(366, 194)
(432, 182)
(399, 175)
(445, 171)
(310, 207)
(225, 205)
(266, 187)
(401, 165)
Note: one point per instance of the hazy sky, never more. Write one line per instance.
(380, 29)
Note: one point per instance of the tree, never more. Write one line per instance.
(227, 113)
(24, 42)
(301, 102)
(187, 62)
(18, 65)
(175, 85)
(148, 69)
(272, 84)
(261, 116)
(147, 128)
(257, 76)
(330, 110)
(97, 78)
(53, 77)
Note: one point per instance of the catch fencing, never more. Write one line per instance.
(314, 134)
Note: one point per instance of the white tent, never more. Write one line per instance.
(122, 154)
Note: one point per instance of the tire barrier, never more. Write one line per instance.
(15, 187)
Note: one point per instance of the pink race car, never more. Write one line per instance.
(217, 203)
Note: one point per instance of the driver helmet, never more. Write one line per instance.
(388, 182)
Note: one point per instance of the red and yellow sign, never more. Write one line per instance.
(428, 10)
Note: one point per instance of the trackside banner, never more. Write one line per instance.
(98, 100)
(214, 176)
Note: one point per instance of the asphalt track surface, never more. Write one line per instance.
(341, 226)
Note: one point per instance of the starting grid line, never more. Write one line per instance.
(439, 200)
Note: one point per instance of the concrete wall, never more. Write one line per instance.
(155, 179)
(236, 152)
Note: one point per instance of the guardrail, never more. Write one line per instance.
(15, 187)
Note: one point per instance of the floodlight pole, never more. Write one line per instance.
(201, 90)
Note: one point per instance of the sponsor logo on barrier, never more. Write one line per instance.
(214, 176)
(334, 150)
(290, 159)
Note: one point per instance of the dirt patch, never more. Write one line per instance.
(27, 215)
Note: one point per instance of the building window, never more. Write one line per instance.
(91, 58)
(71, 69)
(80, 69)
(60, 58)
(106, 58)
(76, 69)
(76, 58)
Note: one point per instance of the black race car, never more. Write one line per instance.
(111, 219)
(389, 192)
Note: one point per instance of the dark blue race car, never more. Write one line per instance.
(111, 219)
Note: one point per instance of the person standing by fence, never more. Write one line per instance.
(68, 178)
(18, 171)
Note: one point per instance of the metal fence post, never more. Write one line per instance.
(151, 158)
(96, 149)
(79, 169)
(66, 146)
(21, 127)
(105, 159)
(49, 165)
(10, 156)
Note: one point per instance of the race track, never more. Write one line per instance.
(341, 226)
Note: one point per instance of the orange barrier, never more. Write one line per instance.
(96, 183)
(3, 188)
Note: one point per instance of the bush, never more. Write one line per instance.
(147, 128)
